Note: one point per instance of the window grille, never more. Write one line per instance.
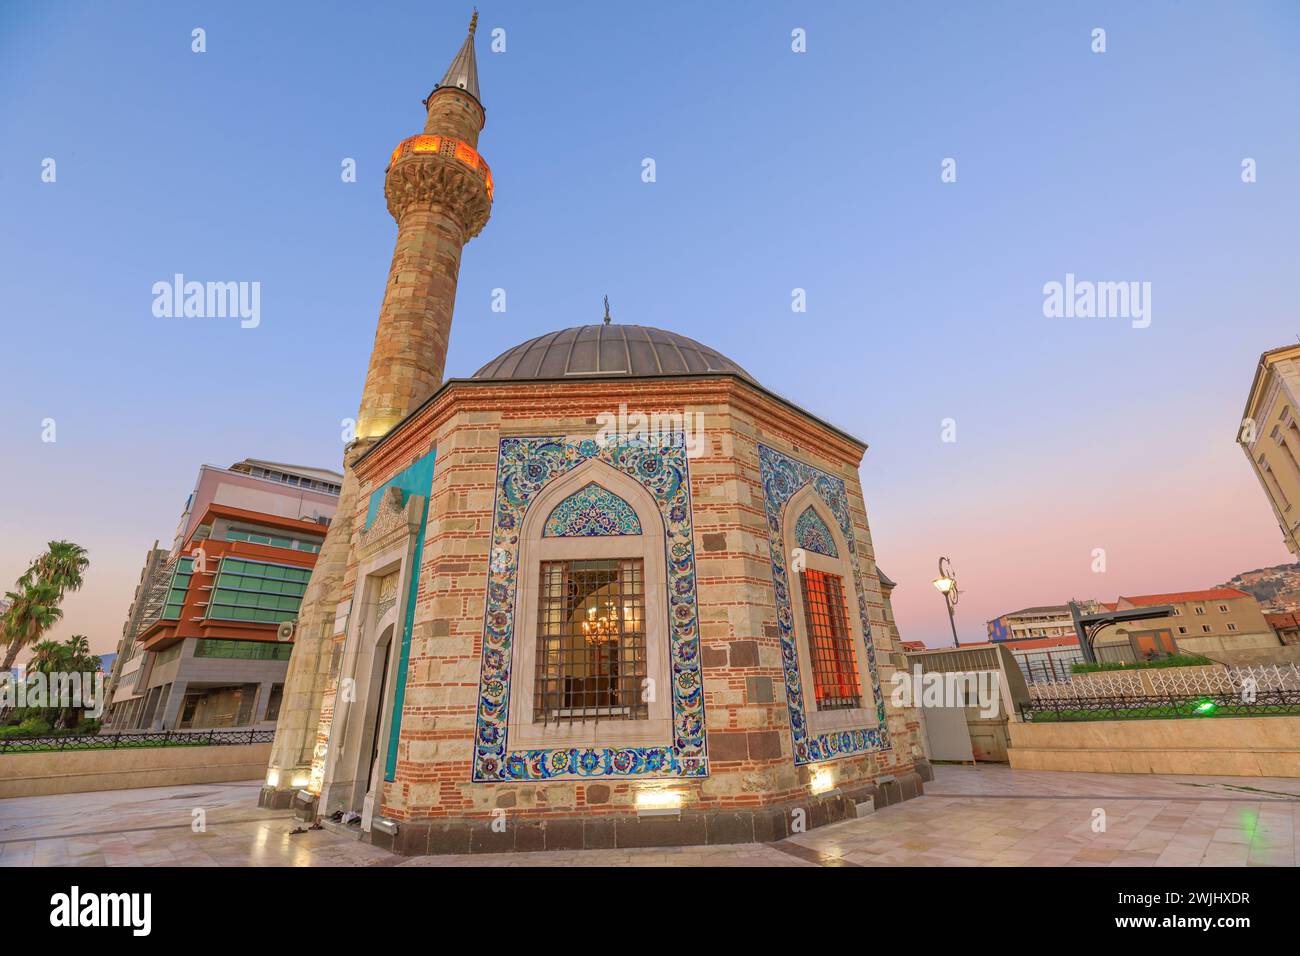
(591, 641)
(830, 642)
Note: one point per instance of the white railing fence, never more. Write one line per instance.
(1171, 681)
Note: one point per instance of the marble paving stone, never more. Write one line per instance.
(986, 816)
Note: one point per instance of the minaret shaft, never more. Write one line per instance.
(452, 113)
(440, 192)
(410, 352)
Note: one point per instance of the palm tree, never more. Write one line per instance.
(52, 658)
(78, 646)
(32, 611)
(34, 607)
(71, 657)
(62, 565)
(47, 656)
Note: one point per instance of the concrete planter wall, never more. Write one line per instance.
(1224, 746)
(81, 771)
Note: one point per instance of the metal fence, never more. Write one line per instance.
(1262, 703)
(1046, 668)
(1170, 681)
(121, 741)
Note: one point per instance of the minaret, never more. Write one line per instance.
(440, 192)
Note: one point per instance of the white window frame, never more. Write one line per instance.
(524, 732)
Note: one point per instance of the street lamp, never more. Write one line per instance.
(946, 584)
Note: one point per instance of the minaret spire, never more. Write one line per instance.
(463, 72)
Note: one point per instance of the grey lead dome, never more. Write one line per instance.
(632, 351)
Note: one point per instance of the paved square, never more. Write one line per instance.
(990, 816)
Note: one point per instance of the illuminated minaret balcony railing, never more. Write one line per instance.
(425, 143)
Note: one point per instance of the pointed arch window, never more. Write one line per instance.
(590, 662)
(827, 622)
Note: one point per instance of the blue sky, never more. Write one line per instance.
(775, 171)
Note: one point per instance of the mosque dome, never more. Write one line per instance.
(608, 349)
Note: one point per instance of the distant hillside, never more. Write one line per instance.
(1276, 588)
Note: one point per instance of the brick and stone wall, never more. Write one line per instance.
(750, 763)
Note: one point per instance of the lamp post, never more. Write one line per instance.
(946, 584)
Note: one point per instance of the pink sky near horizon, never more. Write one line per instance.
(1188, 514)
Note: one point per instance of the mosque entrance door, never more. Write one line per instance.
(376, 721)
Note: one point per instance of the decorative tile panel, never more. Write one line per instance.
(811, 534)
(783, 477)
(592, 511)
(524, 467)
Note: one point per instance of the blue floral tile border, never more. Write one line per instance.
(524, 467)
(782, 477)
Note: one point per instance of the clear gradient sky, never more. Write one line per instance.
(775, 170)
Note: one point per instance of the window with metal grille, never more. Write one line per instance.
(591, 641)
(830, 642)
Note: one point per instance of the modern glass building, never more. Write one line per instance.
(210, 633)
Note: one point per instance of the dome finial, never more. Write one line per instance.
(607, 317)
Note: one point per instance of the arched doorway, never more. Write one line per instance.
(375, 706)
(353, 777)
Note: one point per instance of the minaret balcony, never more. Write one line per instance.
(445, 146)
